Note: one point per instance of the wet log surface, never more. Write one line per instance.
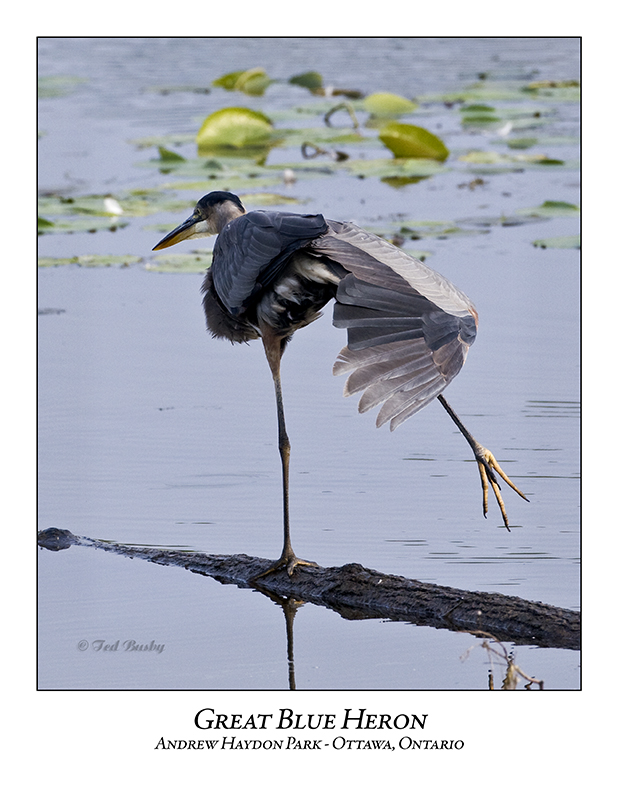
(355, 592)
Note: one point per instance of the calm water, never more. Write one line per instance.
(152, 433)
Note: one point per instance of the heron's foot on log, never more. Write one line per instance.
(288, 560)
(488, 466)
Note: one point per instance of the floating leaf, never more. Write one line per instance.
(423, 229)
(169, 155)
(137, 203)
(476, 108)
(410, 141)
(165, 90)
(250, 81)
(564, 91)
(260, 199)
(57, 85)
(172, 139)
(386, 104)
(195, 262)
(85, 225)
(91, 260)
(502, 221)
(570, 242)
(559, 205)
(308, 80)
(235, 128)
(552, 84)
(522, 143)
(394, 167)
(492, 157)
(552, 208)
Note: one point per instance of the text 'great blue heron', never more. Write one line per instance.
(409, 329)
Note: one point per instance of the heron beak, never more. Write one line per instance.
(193, 228)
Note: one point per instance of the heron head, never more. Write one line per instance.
(210, 216)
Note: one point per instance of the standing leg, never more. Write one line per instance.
(273, 348)
(486, 464)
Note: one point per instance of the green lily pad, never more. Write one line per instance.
(386, 104)
(492, 157)
(235, 128)
(308, 80)
(552, 208)
(394, 167)
(491, 91)
(522, 143)
(258, 200)
(560, 91)
(250, 81)
(568, 242)
(170, 140)
(475, 114)
(136, 203)
(410, 141)
(476, 108)
(169, 155)
(198, 261)
(91, 260)
(423, 229)
(173, 89)
(57, 85)
(81, 225)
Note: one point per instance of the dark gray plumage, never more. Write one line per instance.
(409, 328)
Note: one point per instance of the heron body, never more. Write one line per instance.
(409, 328)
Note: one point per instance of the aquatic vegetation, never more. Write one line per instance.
(411, 141)
(258, 153)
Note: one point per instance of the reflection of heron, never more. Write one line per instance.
(409, 329)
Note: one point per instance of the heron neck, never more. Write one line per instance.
(225, 213)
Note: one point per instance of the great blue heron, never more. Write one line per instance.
(409, 329)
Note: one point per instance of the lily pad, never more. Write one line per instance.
(85, 225)
(410, 141)
(423, 229)
(137, 203)
(57, 85)
(394, 167)
(91, 260)
(198, 261)
(386, 104)
(250, 81)
(568, 242)
(488, 157)
(258, 200)
(522, 143)
(491, 91)
(43, 224)
(552, 208)
(478, 114)
(308, 80)
(169, 155)
(235, 128)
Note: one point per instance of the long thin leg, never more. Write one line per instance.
(486, 463)
(273, 348)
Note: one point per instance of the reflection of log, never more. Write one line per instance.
(359, 593)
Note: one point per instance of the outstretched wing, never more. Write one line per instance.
(409, 329)
(252, 250)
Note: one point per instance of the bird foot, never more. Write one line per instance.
(488, 466)
(289, 561)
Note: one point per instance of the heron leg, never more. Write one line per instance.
(487, 464)
(273, 346)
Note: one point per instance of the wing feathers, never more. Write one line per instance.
(409, 329)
